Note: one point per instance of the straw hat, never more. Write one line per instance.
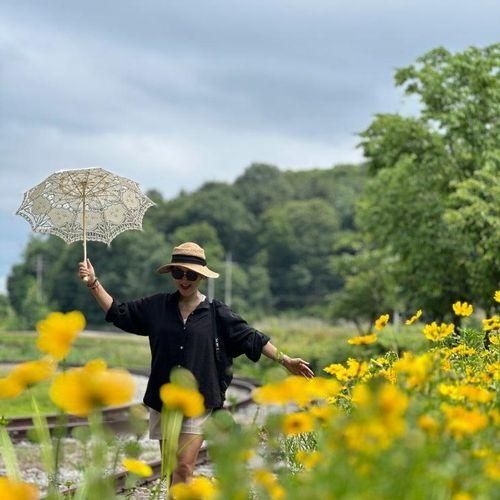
(191, 256)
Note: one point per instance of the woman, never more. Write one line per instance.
(181, 333)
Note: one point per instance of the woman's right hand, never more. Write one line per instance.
(86, 270)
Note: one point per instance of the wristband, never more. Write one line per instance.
(280, 357)
(94, 284)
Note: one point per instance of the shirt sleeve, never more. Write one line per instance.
(133, 316)
(240, 337)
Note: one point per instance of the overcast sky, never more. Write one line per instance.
(173, 94)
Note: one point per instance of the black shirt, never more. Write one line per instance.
(190, 345)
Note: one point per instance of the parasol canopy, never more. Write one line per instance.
(85, 204)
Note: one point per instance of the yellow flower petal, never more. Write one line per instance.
(137, 467)
(17, 490)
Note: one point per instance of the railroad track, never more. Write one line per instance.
(243, 385)
(117, 419)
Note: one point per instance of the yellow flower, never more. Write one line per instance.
(496, 296)
(297, 390)
(391, 401)
(324, 413)
(32, 372)
(462, 495)
(462, 350)
(428, 424)
(495, 339)
(363, 339)
(361, 396)
(437, 332)
(494, 369)
(137, 467)
(468, 392)
(492, 469)
(492, 323)
(354, 369)
(320, 388)
(200, 488)
(381, 321)
(417, 368)
(297, 423)
(461, 422)
(82, 390)
(308, 459)
(462, 308)
(58, 331)
(495, 416)
(414, 318)
(17, 490)
(266, 479)
(188, 401)
(10, 388)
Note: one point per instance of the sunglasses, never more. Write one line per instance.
(178, 274)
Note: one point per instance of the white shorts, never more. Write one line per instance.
(190, 425)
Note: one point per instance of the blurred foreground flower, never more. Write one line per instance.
(297, 423)
(437, 332)
(82, 390)
(462, 422)
(188, 401)
(417, 369)
(200, 488)
(32, 372)
(296, 389)
(17, 490)
(58, 331)
(414, 318)
(137, 467)
(354, 369)
(462, 308)
(10, 388)
(381, 321)
(363, 339)
(269, 482)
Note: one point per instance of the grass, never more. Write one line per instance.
(313, 340)
(128, 351)
(22, 406)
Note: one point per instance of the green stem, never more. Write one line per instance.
(46, 447)
(9, 454)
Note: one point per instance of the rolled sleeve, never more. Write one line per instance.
(130, 316)
(240, 337)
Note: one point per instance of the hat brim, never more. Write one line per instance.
(203, 270)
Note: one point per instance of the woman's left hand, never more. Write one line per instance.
(297, 366)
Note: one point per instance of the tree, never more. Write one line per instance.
(262, 186)
(299, 238)
(417, 167)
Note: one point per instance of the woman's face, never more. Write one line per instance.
(186, 281)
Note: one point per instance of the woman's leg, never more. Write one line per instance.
(187, 454)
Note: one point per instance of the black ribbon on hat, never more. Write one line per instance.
(188, 259)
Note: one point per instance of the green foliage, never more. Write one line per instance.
(261, 187)
(299, 238)
(241, 219)
(430, 203)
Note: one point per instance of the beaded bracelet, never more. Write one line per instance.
(94, 284)
(280, 357)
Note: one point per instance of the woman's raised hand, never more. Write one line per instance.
(86, 271)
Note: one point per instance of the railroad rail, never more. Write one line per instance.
(117, 419)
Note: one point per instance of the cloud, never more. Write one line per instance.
(174, 94)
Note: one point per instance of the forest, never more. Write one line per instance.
(416, 225)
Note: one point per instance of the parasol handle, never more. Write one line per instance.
(84, 278)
